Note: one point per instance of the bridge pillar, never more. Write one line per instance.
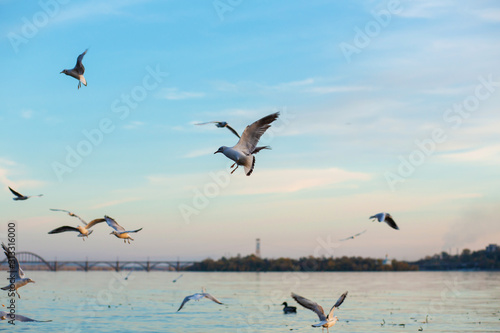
(55, 266)
(147, 266)
(178, 268)
(117, 268)
(86, 265)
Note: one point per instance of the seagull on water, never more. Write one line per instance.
(77, 71)
(15, 271)
(8, 316)
(83, 231)
(119, 231)
(354, 236)
(387, 218)
(19, 196)
(242, 152)
(197, 297)
(325, 321)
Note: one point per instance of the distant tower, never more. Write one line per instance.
(257, 247)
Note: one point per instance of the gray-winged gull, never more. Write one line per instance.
(387, 218)
(8, 316)
(197, 297)
(83, 231)
(221, 124)
(119, 231)
(242, 152)
(19, 196)
(353, 236)
(325, 321)
(77, 71)
(15, 271)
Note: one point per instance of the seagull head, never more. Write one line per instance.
(220, 150)
(30, 280)
(221, 124)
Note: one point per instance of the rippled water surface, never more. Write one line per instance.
(147, 302)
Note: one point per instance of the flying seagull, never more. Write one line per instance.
(325, 321)
(387, 218)
(242, 152)
(15, 271)
(19, 196)
(77, 71)
(83, 231)
(197, 297)
(352, 237)
(221, 124)
(174, 281)
(119, 231)
(8, 316)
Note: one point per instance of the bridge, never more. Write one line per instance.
(34, 261)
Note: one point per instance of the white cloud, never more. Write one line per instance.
(337, 89)
(114, 203)
(199, 152)
(133, 125)
(27, 114)
(483, 154)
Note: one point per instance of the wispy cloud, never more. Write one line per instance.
(27, 114)
(199, 152)
(114, 203)
(336, 89)
(133, 125)
(483, 154)
(176, 94)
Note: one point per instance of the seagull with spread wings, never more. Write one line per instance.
(119, 231)
(221, 124)
(242, 152)
(19, 196)
(385, 217)
(83, 231)
(197, 297)
(10, 316)
(15, 271)
(325, 321)
(353, 236)
(77, 71)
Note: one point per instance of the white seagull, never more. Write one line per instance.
(387, 218)
(77, 71)
(83, 231)
(15, 271)
(197, 297)
(352, 237)
(8, 316)
(120, 231)
(325, 321)
(19, 196)
(242, 152)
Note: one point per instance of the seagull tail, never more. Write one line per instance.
(82, 80)
(249, 165)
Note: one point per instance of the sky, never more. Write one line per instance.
(385, 106)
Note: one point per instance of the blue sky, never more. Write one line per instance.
(385, 106)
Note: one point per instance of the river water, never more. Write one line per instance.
(103, 301)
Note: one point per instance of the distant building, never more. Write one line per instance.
(386, 260)
(257, 247)
(492, 248)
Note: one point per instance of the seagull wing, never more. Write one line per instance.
(337, 304)
(380, 216)
(344, 239)
(210, 297)
(232, 130)
(130, 231)
(308, 304)
(63, 229)
(257, 149)
(186, 299)
(209, 122)
(112, 223)
(390, 222)
(70, 214)
(360, 233)
(79, 68)
(253, 132)
(94, 222)
(17, 194)
(18, 272)
(19, 317)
